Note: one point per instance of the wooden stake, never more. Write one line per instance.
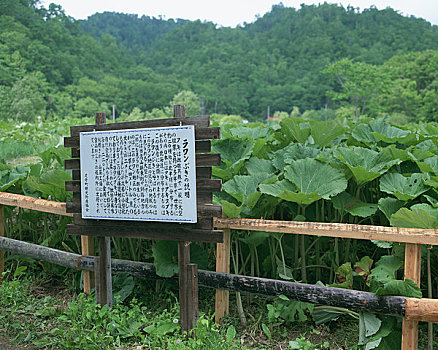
(87, 242)
(2, 234)
(222, 265)
(413, 272)
(192, 295)
(183, 262)
(103, 277)
(87, 248)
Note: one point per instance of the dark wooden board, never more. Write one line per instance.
(204, 223)
(199, 122)
(200, 134)
(183, 233)
(201, 159)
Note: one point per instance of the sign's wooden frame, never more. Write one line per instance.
(184, 233)
(202, 231)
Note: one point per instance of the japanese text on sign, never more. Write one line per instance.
(139, 174)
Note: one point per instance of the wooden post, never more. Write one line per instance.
(102, 269)
(192, 295)
(87, 242)
(413, 272)
(222, 265)
(103, 278)
(187, 273)
(87, 248)
(183, 262)
(2, 234)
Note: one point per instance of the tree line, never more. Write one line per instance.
(313, 58)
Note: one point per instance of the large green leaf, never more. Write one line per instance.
(295, 129)
(383, 131)
(344, 276)
(345, 202)
(404, 188)
(380, 130)
(10, 177)
(244, 187)
(298, 151)
(385, 269)
(312, 176)
(252, 132)
(369, 324)
(389, 206)
(165, 255)
(323, 132)
(259, 166)
(365, 164)
(362, 133)
(406, 288)
(418, 218)
(278, 158)
(230, 209)
(255, 238)
(51, 183)
(233, 150)
(286, 190)
(428, 165)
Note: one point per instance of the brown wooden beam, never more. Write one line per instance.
(367, 232)
(25, 202)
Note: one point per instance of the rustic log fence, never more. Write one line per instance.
(412, 310)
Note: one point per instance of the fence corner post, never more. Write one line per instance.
(222, 265)
(413, 272)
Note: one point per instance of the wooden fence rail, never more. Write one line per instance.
(338, 297)
(413, 238)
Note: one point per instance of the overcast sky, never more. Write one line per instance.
(229, 12)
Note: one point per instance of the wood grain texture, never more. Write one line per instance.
(222, 265)
(183, 261)
(200, 134)
(87, 248)
(367, 232)
(25, 202)
(199, 121)
(422, 309)
(205, 223)
(193, 235)
(413, 272)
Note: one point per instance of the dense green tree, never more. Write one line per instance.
(276, 61)
(358, 81)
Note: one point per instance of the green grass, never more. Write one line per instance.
(16, 149)
(38, 318)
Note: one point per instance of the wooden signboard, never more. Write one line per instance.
(120, 201)
(147, 179)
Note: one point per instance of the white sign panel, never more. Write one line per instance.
(139, 174)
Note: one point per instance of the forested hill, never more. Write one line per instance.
(130, 31)
(277, 60)
(51, 64)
